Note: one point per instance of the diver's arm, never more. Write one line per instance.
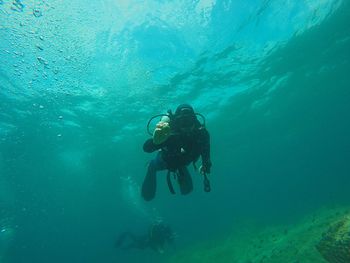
(160, 136)
(150, 147)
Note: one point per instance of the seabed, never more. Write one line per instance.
(323, 234)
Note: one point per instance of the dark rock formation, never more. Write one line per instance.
(335, 243)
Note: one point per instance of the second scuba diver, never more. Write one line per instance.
(180, 139)
(156, 238)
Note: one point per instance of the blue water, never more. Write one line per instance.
(80, 79)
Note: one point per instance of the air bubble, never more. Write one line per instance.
(42, 61)
(17, 6)
(37, 12)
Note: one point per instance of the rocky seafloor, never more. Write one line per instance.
(321, 237)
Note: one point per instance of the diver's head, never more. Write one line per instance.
(184, 108)
(185, 118)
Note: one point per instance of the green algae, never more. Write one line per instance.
(253, 243)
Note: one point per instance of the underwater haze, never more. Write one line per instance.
(79, 81)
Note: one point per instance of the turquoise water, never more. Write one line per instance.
(79, 81)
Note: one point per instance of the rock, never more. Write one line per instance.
(334, 245)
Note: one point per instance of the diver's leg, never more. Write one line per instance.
(185, 180)
(128, 240)
(149, 184)
(121, 239)
(136, 242)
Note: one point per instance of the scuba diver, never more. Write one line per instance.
(156, 238)
(180, 140)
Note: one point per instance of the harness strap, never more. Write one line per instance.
(206, 182)
(170, 185)
(195, 166)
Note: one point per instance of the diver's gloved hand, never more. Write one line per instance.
(205, 168)
(161, 133)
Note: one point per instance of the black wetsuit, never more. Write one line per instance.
(156, 238)
(178, 151)
(182, 149)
